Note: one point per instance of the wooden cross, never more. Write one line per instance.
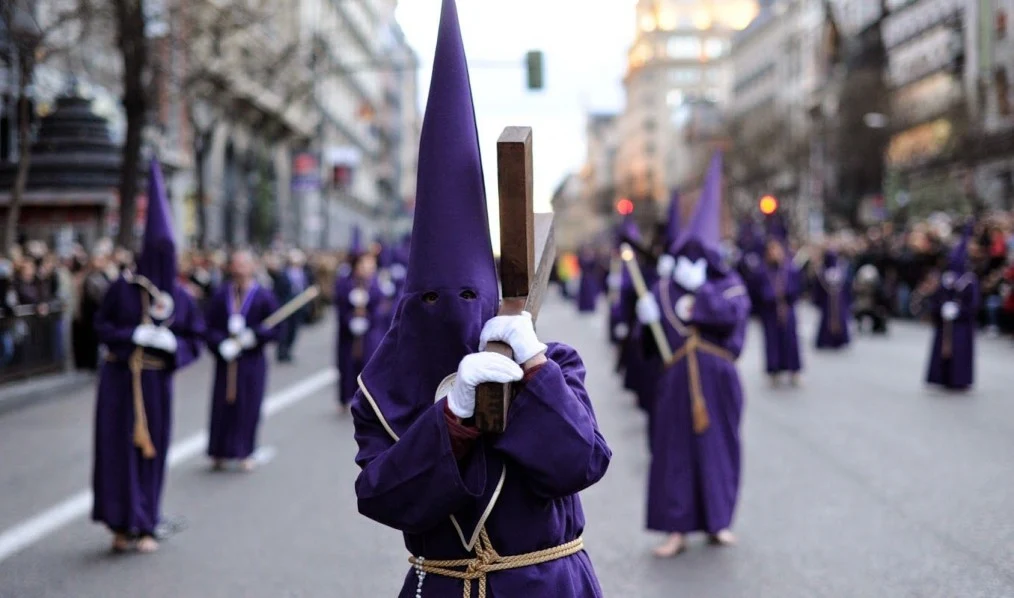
(527, 253)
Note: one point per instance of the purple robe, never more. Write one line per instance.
(779, 289)
(412, 482)
(590, 286)
(952, 358)
(693, 482)
(354, 351)
(128, 487)
(233, 430)
(831, 295)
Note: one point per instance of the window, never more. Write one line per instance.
(684, 46)
(714, 48)
(684, 76)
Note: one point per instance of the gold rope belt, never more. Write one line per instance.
(689, 351)
(137, 363)
(487, 561)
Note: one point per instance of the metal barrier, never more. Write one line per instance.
(31, 343)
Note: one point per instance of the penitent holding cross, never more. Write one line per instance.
(527, 252)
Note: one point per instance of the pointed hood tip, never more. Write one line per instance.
(674, 220)
(705, 225)
(957, 261)
(157, 258)
(450, 244)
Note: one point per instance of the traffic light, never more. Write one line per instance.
(625, 207)
(768, 205)
(534, 61)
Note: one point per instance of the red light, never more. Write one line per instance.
(625, 207)
(768, 205)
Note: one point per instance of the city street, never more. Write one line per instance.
(862, 483)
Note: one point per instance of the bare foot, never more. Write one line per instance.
(724, 538)
(796, 380)
(147, 545)
(673, 546)
(774, 380)
(121, 543)
(218, 465)
(248, 464)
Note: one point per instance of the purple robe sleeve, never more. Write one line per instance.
(217, 322)
(415, 483)
(723, 310)
(267, 305)
(188, 326)
(109, 321)
(555, 405)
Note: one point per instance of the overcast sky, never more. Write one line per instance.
(585, 44)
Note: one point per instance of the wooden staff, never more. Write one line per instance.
(291, 307)
(627, 254)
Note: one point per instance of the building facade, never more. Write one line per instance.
(676, 64)
(292, 122)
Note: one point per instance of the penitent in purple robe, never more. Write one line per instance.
(590, 287)
(523, 494)
(127, 486)
(778, 289)
(694, 478)
(832, 297)
(355, 345)
(952, 358)
(233, 430)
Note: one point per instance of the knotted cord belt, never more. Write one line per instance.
(137, 363)
(689, 351)
(488, 561)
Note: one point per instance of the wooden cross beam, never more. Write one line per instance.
(527, 253)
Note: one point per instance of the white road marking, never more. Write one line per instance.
(30, 531)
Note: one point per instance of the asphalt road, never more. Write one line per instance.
(862, 484)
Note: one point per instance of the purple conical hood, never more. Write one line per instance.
(356, 242)
(705, 225)
(776, 229)
(451, 286)
(958, 260)
(674, 222)
(450, 233)
(157, 260)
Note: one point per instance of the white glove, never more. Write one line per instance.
(229, 349)
(685, 307)
(621, 331)
(358, 297)
(666, 265)
(359, 326)
(516, 331)
(475, 369)
(949, 311)
(164, 340)
(647, 310)
(236, 324)
(247, 339)
(144, 335)
(691, 275)
(615, 281)
(833, 275)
